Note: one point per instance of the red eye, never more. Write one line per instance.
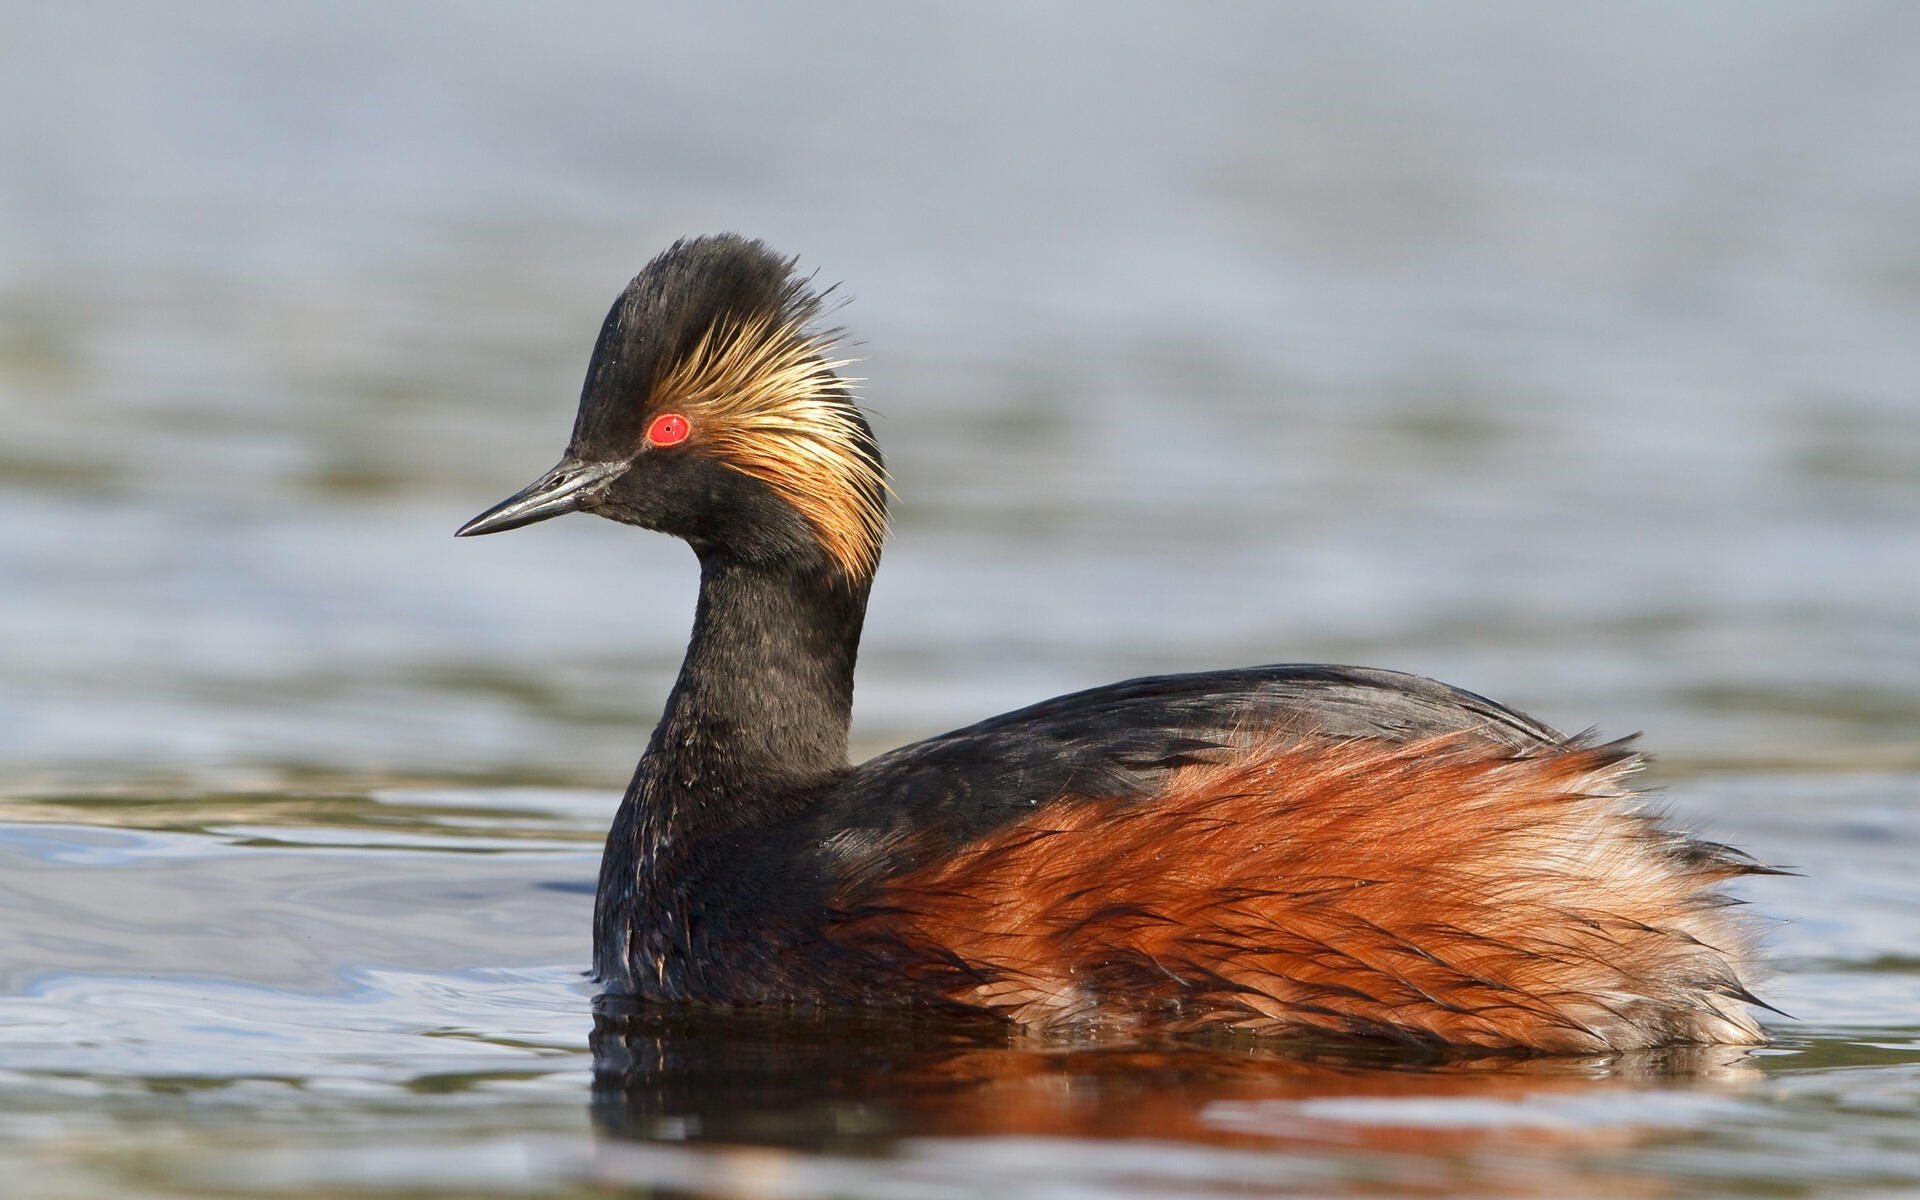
(668, 429)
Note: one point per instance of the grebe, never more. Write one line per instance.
(1294, 850)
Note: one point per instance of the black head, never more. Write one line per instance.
(712, 411)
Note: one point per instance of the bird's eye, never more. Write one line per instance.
(668, 429)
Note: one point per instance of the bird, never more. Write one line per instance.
(1290, 851)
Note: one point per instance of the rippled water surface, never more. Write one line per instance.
(1567, 356)
(328, 990)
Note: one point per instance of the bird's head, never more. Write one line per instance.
(713, 411)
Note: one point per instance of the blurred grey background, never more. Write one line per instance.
(1570, 353)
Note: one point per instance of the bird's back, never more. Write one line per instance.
(1122, 740)
(1292, 849)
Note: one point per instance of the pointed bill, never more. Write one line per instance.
(568, 487)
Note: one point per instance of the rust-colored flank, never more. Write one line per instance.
(1433, 891)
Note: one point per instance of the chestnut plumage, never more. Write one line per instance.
(1295, 849)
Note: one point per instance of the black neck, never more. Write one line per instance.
(753, 726)
(757, 721)
(766, 692)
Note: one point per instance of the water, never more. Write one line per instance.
(377, 991)
(1566, 356)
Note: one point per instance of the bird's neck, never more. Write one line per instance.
(766, 692)
(756, 723)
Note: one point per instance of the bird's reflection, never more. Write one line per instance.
(857, 1082)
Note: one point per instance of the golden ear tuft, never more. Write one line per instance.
(763, 392)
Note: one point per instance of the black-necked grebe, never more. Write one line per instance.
(1281, 849)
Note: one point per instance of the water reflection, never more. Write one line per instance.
(863, 1083)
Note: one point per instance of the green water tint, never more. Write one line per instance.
(336, 989)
